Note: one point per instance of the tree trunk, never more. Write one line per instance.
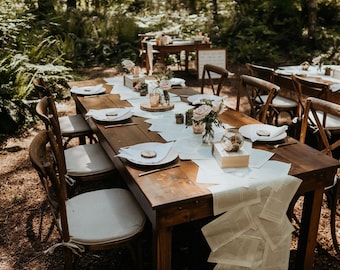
(45, 6)
(71, 4)
(215, 10)
(312, 10)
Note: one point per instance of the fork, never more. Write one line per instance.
(275, 146)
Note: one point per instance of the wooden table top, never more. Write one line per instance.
(179, 184)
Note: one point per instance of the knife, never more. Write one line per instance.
(120, 125)
(158, 170)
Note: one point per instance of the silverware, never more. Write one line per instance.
(275, 146)
(158, 170)
(120, 125)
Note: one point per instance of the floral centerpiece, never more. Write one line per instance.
(163, 76)
(207, 114)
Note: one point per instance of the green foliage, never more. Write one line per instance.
(52, 41)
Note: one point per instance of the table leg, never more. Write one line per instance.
(309, 229)
(186, 60)
(163, 246)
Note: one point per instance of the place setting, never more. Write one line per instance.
(199, 98)
(88, 90)
(117, 116)
(155, 156)
(264, 133)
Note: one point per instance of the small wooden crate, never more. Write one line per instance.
(230, 159)
(130, 80)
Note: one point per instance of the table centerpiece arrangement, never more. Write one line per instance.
(207, 114)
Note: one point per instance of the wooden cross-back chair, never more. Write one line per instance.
(287, 99)
(259, 108)
(95, 220)
(283, 101)
(317, 113)
(307, 87)
(71, 126)
(208, 70)
(264, 73)
(86, 162)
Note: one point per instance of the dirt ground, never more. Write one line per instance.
(27, 228)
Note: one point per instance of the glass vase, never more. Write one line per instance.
(208, 135)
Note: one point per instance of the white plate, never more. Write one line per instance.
(171, 156)
(195, 99)
(111, 114)
(88, 90)
(249, 131)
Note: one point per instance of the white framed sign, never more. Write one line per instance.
(213, 56)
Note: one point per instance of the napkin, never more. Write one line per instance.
(197, 99)
(88, 90)
(335, 87)
(133, 153)
(101, 115)
(177, 81)
(274, 132)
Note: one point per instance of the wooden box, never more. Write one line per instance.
(230, 159)
(130, 80)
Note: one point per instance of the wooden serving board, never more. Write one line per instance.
(160, 108)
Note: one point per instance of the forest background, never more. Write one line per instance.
(54, 38)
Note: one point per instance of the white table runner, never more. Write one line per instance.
(252, 229)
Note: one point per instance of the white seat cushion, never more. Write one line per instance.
(281, 102)
(73, 124)
(104, 216)
(87, 159)
(332, 121)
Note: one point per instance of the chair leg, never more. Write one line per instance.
(68, 259)
(136, 251)
(332, 199)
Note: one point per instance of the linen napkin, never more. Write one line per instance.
(110, 114)
(177, 81)
(335, 87)
(133, 153)
(88, 90)
(274, 132)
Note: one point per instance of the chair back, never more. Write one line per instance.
(308, 88)
(41, 87)
(209, 69)
(47, 112)
(287, 89)
(321, 111)
(264, 73)
(252, 87)
(50, 166)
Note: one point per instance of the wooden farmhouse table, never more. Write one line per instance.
(177, 46)
(173, 197)
(315, 75)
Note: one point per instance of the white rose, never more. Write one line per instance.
(201, 112)
(216, 105)
(165, 84)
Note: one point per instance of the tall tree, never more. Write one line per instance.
(71, 4)
(312, 17)
(45, 7)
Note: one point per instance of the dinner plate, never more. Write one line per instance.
(250, 131)
(111, 114)
(171, 156)
(88, 90)
(196, 99)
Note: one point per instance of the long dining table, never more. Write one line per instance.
(177, 46)
(315, 74)
(172, 197)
